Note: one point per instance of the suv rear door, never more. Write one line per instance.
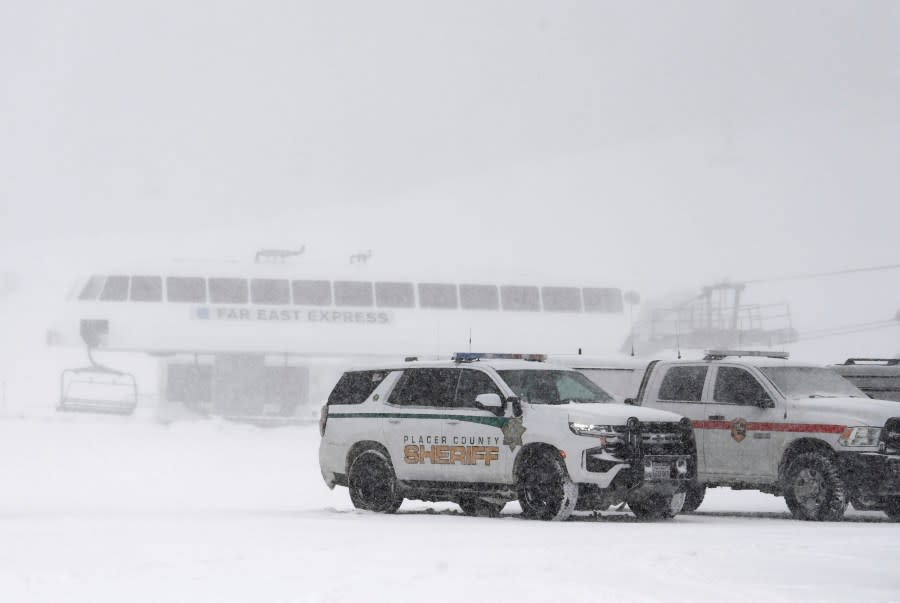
(413, 424)
(681, 389)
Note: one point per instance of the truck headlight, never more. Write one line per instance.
(594, 431)
(860, 436)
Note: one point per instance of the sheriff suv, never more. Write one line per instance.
(791, 429)
(482, 430)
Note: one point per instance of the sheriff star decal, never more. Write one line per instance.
(512, 433)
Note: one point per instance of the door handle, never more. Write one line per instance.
(452, 422)
(716, 417)
(394, 421)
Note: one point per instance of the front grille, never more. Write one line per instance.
(890, 436)
(666, 438)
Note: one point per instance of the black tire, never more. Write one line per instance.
(479, 507)
(892, 507)
(693, 497)
(545, 489)
(372, 484)
(814, 489)
(657, 506)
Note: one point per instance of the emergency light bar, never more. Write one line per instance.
(720, 354)
(473, 356)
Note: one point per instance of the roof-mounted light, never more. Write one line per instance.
(720, 354)
(473, 356)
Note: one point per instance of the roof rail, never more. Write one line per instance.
(473, 356)
(720, 354)
(884, 361)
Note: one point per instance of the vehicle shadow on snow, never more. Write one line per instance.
(622, 516)
(869, 517)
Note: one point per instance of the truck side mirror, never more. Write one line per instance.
(489, 402)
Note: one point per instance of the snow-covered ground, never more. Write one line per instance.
(121, 509)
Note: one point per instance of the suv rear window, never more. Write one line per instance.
(354, 387)
(683, 384)
(426, 387)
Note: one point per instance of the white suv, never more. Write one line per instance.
(481, 430)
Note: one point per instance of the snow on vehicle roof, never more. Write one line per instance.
(495, 363)
(750, 360)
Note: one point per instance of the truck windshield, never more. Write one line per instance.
(810, 382)
(553, 387)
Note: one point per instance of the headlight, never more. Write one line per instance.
(594, 431)
(860, 436)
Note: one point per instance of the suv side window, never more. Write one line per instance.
(425, 387)
(737, 386)
(355, 387)
(683, 384)
(473, 383)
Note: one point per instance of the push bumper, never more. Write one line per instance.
(872, 473)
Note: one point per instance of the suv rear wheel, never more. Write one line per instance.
(814, 489)
(693, 497)
(480, 507)
(545, 489)
(892, 507)
(372, 484)
(657, 506)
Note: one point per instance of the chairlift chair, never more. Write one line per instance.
(97, 388)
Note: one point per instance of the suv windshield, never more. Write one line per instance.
(553, 387)
(810, 382)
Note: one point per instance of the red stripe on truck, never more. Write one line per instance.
(789, 427)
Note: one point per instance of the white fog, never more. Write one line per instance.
(698, 175)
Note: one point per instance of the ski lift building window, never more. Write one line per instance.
(146, 288)
(353, 293)
(186, 289)
(270, 291)
(311, 293)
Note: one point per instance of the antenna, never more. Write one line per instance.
(470, 339)
(631, 298)
(677, 333)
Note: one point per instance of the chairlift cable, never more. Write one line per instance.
(822, 274)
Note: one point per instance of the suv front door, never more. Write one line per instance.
(474, 435)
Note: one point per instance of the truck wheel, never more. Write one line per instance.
(545, 489)
(479, 507)
(372, 484)
(657, 506)
(693, 497)
(814, 489)
(892, 507)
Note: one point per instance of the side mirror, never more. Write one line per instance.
(489, 402)
(765, 403)
(630, 401)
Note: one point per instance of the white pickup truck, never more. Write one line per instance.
(796, 430)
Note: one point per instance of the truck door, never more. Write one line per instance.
(413, 424)
(681, 391)
(474, 435)
(740, 432)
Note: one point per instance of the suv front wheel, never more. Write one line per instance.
(372, 484)
(545, 489)
(814, 489)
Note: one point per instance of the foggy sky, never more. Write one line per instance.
(754, 138)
